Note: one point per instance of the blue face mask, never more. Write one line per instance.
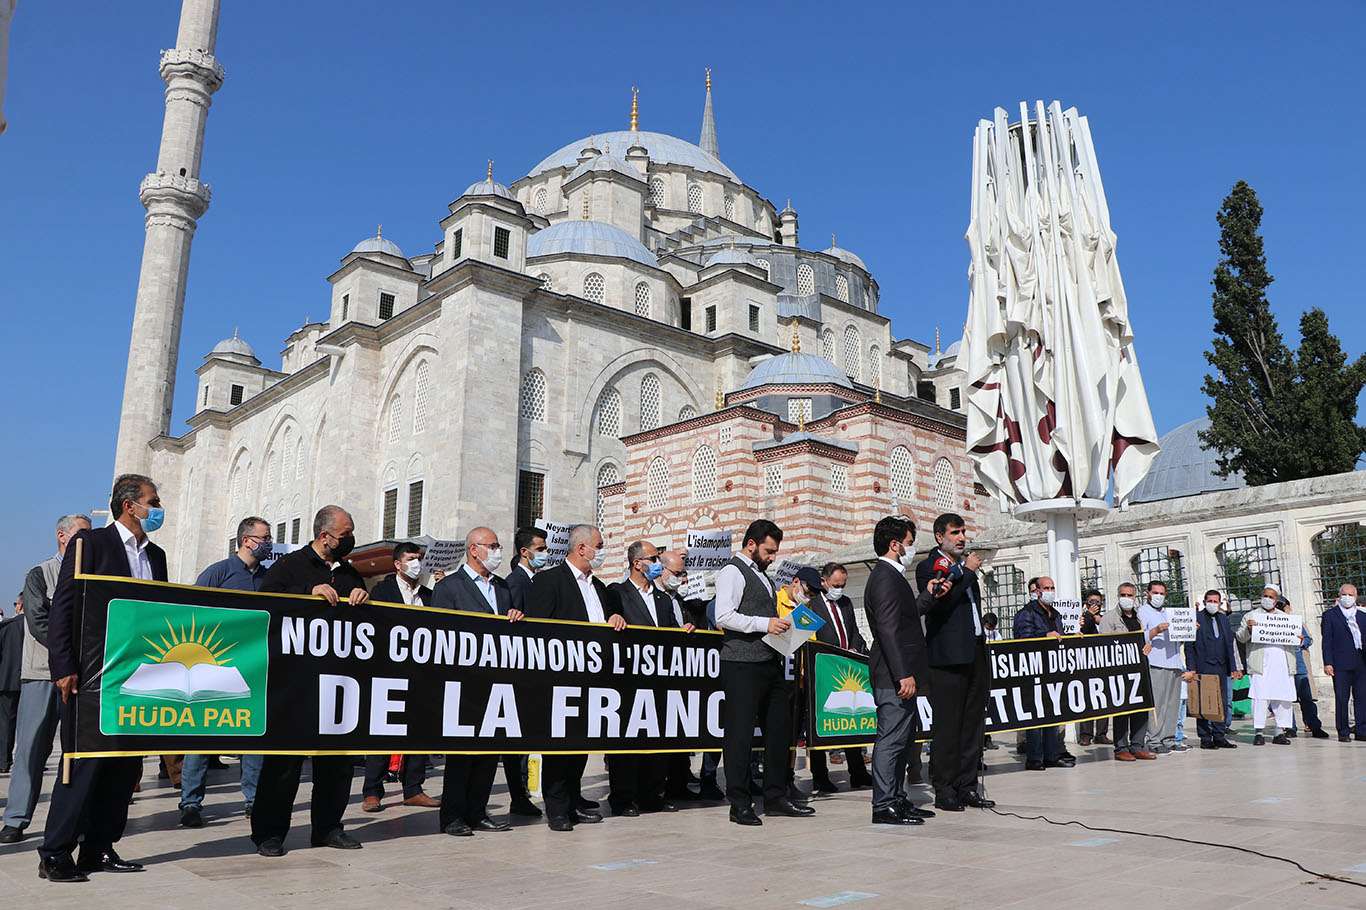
(653, 571)
(539, 560)
(155, 516)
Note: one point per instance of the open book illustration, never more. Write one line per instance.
(844, 701)
(174, 681)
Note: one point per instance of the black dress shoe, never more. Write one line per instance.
(337, 839)
(1225, 744)
(1281, 739)
(524, 807)
(906, 807)
(659, 805)
(60, 869)
(1320, 733)
(824, 786)
(1259, 740)
(271, 846)
(890, 816)
(561, 824)
(1058, 763)
(627, 810)
(1035, 766)
(745, 816)
(458, 828)
(191, 817)
(789, 808)
(582, 803)
(948, 804)
(971, 798)
(1293, 734)
(1208, 744)
(488, 824)
(105, 860)
(11, 835)
(585, 817)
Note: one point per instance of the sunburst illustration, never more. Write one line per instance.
(851, 680)
(189, 647)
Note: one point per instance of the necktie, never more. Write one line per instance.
(839, 623)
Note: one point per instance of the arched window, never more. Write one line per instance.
(903, 475)
(1246, 566)
(687, 412)
(1162, 564)
(594, 287)
(1092, 573)
(533, 395)
(422, 391)
(395, 418)
(943, 485)
(270, 469)
(806, 281)
(540, 201)
(839, 479)
(773, 479)
(609, 415)
(607, 475)
(657, 484)
(729, 207)
(657, 191)
(544, 279)
(842, 288)
(299, 460)
(763, 264)
(287, 458)
(649, 402)
(875, 366)
(828, 345)
(1339, 559)
(852, 348)
(642, 299)
(695, 198)
(703, 473)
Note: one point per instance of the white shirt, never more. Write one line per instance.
(138, 563)
(485, 586)
(647, 594)
(529, 574)
(590, 594)
(730, 587)
(1351, 617)
(407, 590)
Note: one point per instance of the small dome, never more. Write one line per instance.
(1184, 467)
(795, 368)
(378, 244)
(487, 187)
(234, 345)
(844, 255)
(733, 256)
(604, 162)
(592, 237)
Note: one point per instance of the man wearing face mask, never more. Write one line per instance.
(637, 781)
(319, 569)
(1130, 730)
(1213, 654)
(91, 808)
(688, 614)
(1038, 619)
(1091, 732)
(840, 630)
(1272, 669)
(1166, 665)
(1344, 632)
(531, 556)
(242, 571)
(570, 591)
(403, 586)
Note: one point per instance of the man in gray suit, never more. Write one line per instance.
(473, 588)
(900, 668)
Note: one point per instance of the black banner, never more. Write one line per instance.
(1036, 682)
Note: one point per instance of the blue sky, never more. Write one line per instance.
(336, 116)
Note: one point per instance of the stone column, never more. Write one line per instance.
(175, 199)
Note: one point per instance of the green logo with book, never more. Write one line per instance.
(844, 697)
(175, 669)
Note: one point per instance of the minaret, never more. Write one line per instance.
(174, 199)
(708, 139)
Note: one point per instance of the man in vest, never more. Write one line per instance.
(752, 676)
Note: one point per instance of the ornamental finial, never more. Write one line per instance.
(489, 176)
(635, 109)
(796, 339)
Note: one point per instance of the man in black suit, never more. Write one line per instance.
(571, 592)
(636, 782)
(92, 807)
(473, 588)
(531, 556)
(840, 630)
(678, 766)
(402, 587)
(959, 678)
(319, 569)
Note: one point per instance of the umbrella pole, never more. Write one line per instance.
(1062, 554)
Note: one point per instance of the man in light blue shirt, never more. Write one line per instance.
(1166, 664)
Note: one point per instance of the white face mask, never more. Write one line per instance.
(834, 593)
(672, 582)
(493, 558)
(1268, 604)
(1347, 602)
(1126, 604)
(1047, 597)
(599, 557)
(1211, 608)
(907, 559)
(412, 568)
(801, 597)
(1157, 600)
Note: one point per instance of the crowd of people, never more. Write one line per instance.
(927, 638)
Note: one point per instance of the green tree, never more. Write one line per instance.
(1274, 415)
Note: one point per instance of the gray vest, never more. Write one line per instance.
(755, 600)
(34, 664)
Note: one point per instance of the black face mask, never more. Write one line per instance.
(343, 547)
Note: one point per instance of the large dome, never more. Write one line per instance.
(663, 149)
(378, 244)
(591, 237)
(1184, 467)
(796, 368)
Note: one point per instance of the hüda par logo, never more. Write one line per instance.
(850, 694)
(181, 669)
(844, 696)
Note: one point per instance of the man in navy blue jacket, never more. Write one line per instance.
(1038, 619)
(1213, 653)
(1344, 631)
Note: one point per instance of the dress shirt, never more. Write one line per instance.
(591, 603)
(529, 574)
(647, 594)
(837, 621)
(1351, 617)
(1166, 654)
(485, 586)
(232, 573)
(407, 589)
(138, 563)
(730, 587)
